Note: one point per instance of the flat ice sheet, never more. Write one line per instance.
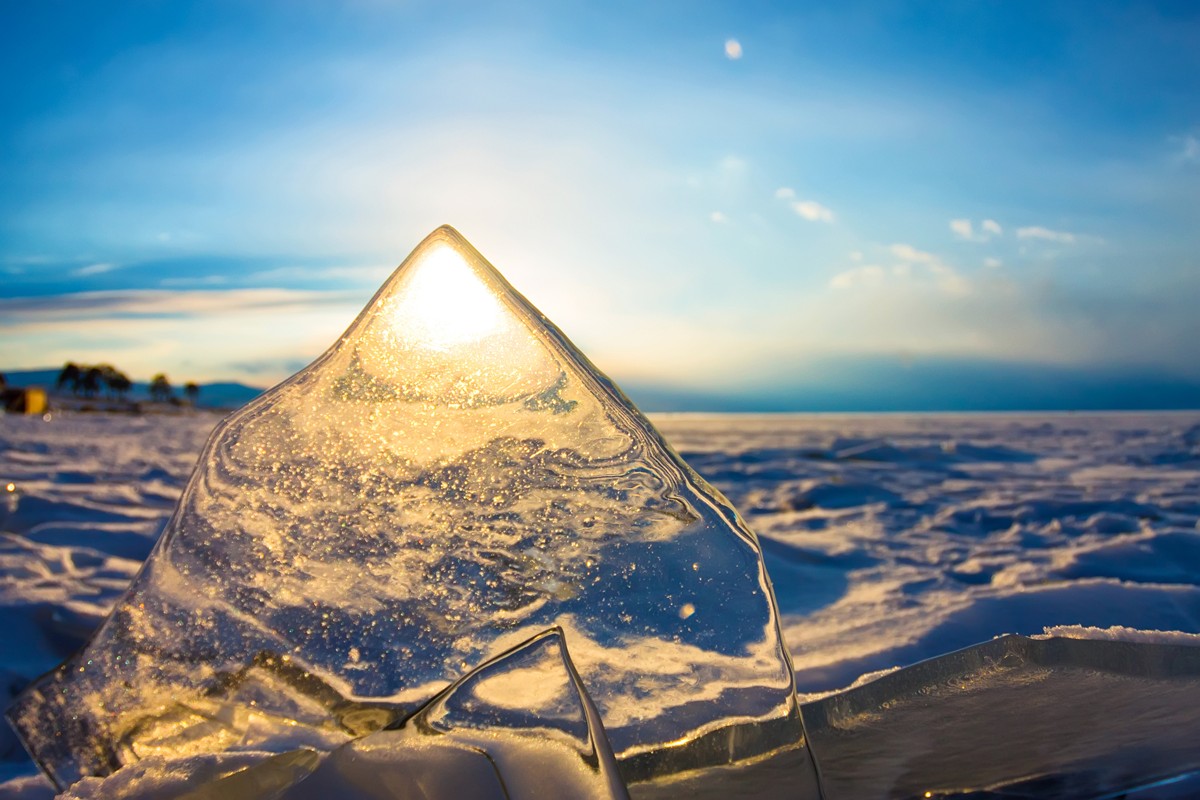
(890, 539)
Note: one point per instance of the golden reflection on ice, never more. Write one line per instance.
(444, 335)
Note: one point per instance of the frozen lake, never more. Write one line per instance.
(890, 539)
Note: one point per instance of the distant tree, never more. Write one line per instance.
(192, 390)
(70, 376)
(3, 382)
(90, 381)
(119, 384)
(160, 387)
(108, 373)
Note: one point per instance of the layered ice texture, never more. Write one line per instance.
(449, 480)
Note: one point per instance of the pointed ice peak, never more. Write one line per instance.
(444, 296)
(444, 304)
(446, 328)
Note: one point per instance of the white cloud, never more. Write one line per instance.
(935, 271)
(93, 269)
(856, 255)
(812, 211)
(965, 229)
(733, 49)
(906, 252)
(866, 275)
(718, 217)
(993, 263)
(962, 228)
(1038, 232)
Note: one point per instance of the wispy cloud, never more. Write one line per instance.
(810, 210)
(910, 254)
(198, 281)
(93, 269)
(866, 275)
(913, 268)
(155, 303)
(993, 263)
(202, 333)
(718, 217)
(965, 229)
(1046, 234)
(945, 277)
(1188, 151)
(962, 228)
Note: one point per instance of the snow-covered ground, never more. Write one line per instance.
(889, 538)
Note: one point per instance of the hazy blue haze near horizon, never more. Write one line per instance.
(856, 206)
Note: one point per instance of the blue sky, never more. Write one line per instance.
(752, 203)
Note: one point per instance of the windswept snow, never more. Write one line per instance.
(891, 539)
(1119, 633)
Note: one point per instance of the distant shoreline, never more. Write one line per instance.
(654, 400)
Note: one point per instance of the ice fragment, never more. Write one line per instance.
(447, 480)
(521, 727)
(1015, 718)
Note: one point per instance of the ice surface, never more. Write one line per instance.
(1016, 718)
(449, 479)
(860, 588)
(520, 727)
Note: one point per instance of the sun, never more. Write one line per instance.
(444, 304)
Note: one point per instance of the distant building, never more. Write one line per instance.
(31, 400)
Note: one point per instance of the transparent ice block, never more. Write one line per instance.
(449, 479)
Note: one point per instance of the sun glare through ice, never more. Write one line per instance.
(445, 305)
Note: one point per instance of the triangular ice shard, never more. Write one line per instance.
(1017, 718)
(449, 479)
(521, 727)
